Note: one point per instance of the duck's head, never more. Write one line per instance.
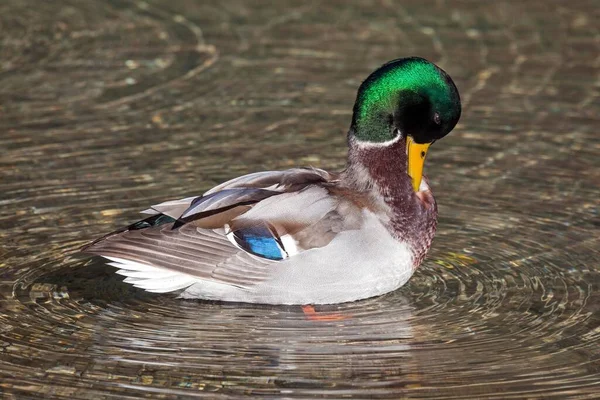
(407, 98)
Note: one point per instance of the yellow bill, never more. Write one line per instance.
(416, 153)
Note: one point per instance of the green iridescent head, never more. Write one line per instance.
(408, 96)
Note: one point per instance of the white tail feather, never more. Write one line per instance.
(150, 278)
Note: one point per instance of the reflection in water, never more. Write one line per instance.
(107, 107)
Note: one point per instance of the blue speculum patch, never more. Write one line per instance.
(260, 242)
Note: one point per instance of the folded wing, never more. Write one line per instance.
(235, 234)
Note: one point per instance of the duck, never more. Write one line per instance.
(306, 236)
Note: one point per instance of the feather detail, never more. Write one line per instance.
(195, 252)
(151, 278)
(282, 211)
(173, 208)
(221, 201)
(291, 179)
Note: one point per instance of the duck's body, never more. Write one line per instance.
(344, 237)
(301, 236)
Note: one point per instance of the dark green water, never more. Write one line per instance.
(108, 107)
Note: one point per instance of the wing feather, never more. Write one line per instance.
(277, 180)
(225, 199)
(161, 255)
(173, 208)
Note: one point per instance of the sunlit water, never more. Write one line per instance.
(106, 108)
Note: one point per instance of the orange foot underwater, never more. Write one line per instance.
(312, 315)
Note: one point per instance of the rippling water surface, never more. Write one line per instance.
(108, 107)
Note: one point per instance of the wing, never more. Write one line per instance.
(234, 234)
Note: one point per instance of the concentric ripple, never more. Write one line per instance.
(107, 107)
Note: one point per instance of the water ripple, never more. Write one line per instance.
(108, 107)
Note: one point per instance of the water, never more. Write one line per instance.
(108, 107)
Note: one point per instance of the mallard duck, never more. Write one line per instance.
(305, 235)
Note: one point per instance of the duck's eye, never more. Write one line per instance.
(437, 119)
